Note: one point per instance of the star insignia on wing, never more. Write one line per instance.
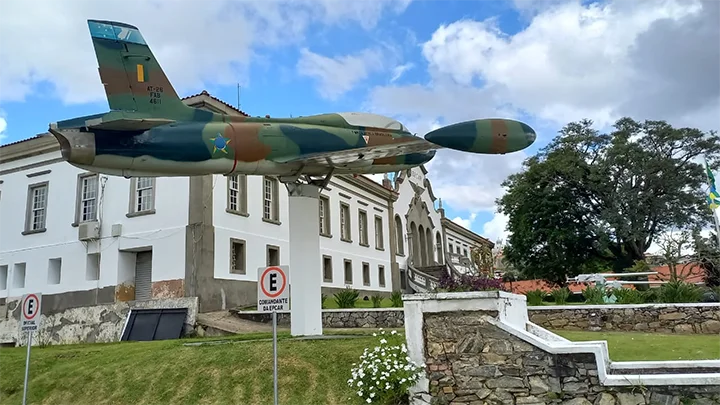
(220, 143)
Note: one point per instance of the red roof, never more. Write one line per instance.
(691, 273)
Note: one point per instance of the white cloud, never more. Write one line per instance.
(495, 229)
(399, 70)
(338, 75)
(198, 43)
(644, 59)
(3, 126)
(465, 222)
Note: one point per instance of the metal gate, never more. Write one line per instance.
(154, 324)
(143, 276)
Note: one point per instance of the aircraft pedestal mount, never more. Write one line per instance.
(305, 264)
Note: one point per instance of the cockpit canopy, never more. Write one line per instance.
(372, 120)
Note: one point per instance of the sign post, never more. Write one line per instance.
(30, 322)
(273, 295)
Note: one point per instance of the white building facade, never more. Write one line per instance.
(84, 239)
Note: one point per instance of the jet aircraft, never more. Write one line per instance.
(150, 132)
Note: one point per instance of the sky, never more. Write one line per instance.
(425, 63)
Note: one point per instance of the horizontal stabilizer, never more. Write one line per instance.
(125, 124)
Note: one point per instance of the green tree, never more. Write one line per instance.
(588, 200)
(707, 256)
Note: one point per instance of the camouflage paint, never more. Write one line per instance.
(150, 131)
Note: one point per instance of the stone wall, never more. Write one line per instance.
(338, 318)
(91, 324)
(470, 361)
(660, 318)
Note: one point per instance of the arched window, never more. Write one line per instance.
(438, 247)
(428, 241)
(414, 244)
(422, 258)
(399, 235)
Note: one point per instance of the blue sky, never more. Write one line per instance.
(546, 62)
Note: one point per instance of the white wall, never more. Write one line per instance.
(257, 233)
(454, 239)
(341, 250)
(164, 230)
(406, 194)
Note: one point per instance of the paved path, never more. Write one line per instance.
(224, 320)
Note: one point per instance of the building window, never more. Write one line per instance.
(237, 195)
(366, 274)
(3, 277)
(465, 253)
(381, 275)
(438, 247)
(399, 235)
(36, 207)
(348, 272)
(237, 256)
(273, 255)
(324, 203)
(345, 222)
(143, 195)
(92, 267)
(327, 269)
(18, 275)
(362, 227)
(379, 241)
(87, 198)
(270, 203)
(54, 266)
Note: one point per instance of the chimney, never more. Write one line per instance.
(441, 209)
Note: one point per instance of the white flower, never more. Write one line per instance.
(360, 393)
(393, 332)
(368, 400)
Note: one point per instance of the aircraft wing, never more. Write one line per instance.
(363, 155)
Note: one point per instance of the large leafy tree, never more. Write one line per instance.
(590, 201)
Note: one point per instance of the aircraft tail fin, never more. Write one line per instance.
(132, 76)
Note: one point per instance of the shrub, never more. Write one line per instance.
(594, 295)
(535, 297)
(385, 373)
(629, 296)
(468, 282)
(346, 298)
(560, 295)
(323, 297)
(396, 299)
(679, 291)
(376, 300)
(652, 295)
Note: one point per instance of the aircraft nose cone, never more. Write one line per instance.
(485, 136)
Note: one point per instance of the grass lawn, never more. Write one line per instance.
(626, 346)
(166, 372)
(311, 372)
